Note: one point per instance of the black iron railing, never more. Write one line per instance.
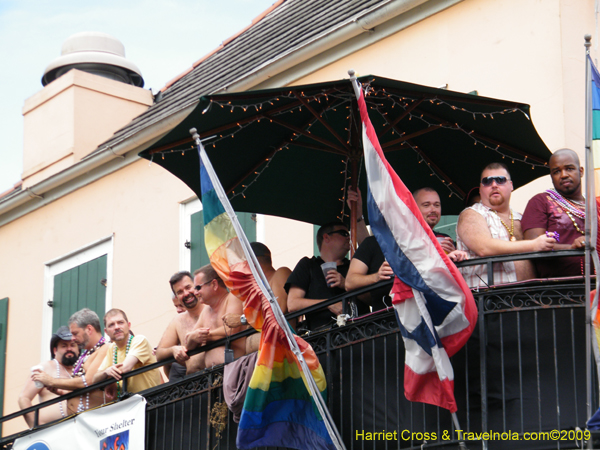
(522, 371)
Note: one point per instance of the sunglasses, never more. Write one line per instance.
(487, 181)
(343, 233)
(199, 286)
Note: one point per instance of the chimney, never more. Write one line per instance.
(89, 92)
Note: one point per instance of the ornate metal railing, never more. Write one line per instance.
(522, 371)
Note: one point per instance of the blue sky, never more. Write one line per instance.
(162, 37)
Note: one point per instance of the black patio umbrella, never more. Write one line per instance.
(293, 151)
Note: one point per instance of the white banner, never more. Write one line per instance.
(120, 426)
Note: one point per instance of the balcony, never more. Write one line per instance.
(523, 371)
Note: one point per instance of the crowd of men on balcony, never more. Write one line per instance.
(208, 312)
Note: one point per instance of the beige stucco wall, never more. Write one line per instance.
(139, 205)
(288, 240)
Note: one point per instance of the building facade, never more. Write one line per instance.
(92, 224)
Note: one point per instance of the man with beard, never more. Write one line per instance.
(428, 201)
(86, 331)
(218, 302)
(491, 227)
(124, 354)
(559, 212)
(172, 343)
(64, 354)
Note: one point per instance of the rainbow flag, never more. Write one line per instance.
(284, 405)
(595, 114)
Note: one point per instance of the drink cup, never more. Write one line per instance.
(326, 267)
(441, 239)
(38, 384)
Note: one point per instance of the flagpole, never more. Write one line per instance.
(589, 178)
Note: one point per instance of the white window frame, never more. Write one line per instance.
(186, 209)
(96, 249)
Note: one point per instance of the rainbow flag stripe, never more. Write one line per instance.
(595, 114)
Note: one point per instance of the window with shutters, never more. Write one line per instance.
(78, 280)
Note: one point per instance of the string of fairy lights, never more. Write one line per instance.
(331, 100)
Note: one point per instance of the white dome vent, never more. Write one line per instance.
(97, 53)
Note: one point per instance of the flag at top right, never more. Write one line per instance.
(595, 114)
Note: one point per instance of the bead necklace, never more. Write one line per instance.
(568, 208)
(511, 230)
(60, 406)
(574, 223)
(78, 369)
(81, 407)
(568, 205)
(116, 362)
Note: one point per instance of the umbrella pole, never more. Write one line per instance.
(353, 205)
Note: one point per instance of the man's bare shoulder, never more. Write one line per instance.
(467, 214)
(470, 218)
(49, 366)
(281, 275)
(233, 304)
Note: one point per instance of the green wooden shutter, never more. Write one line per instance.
(3, 335)
(198, 255)
(447, 224)
(315, 246)
(77, 288)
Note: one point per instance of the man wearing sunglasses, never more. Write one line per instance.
(210, 290)
(559, 212)
(307, 285)
(491, 228)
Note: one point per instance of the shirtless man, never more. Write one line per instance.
(64, 353)
(171, 344)
(211, 291)
(86, 331)
(277, 279)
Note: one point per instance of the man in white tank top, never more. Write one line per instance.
(491, 228)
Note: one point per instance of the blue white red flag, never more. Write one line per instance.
(435, 307)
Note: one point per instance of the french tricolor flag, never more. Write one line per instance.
(435, 308)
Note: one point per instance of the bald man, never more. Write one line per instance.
(559, 212)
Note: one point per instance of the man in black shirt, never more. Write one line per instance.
(307, 285)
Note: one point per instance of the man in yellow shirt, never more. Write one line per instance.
(126, 353)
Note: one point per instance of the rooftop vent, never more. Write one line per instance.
(97, 53)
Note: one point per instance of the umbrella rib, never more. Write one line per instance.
(486, 138)
(225, 127)
(471, 99)
(305, 133)
(316, 147)
(429, 129)
(406, 112)
(436, 169)
(322, 121)
(268, 156)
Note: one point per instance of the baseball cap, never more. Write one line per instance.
(62, 334)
